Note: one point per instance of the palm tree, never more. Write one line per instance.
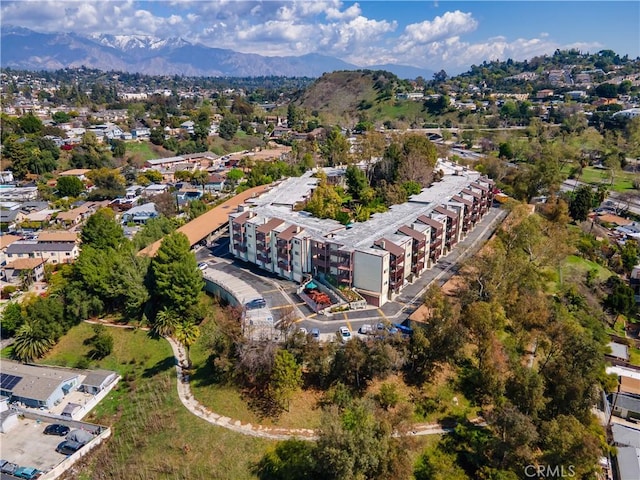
(166, 322)
(186, 333)
(30, 344)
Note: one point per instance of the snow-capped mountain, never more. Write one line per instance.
(25, 49)
(138, 42)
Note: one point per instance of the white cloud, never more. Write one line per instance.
(445, 26)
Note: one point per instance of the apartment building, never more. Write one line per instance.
(378, 257)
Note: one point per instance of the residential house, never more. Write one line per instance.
(188, 126)
(18, 194)
(625, 406)
(79, 173)
(141, 133)
(215, 183)
(545, 93)
(6, 176)
(97, 380)
(52, 252)
(23, 270)
(155, 189)
(73, 217)
(37, 386)
(140, 214)
(5, 241)
(10, 216)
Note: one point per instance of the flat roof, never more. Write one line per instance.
(279, 202)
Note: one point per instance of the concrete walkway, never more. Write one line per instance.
(261, 431)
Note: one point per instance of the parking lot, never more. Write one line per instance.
(26, 445)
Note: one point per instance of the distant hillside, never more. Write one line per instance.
(346, 95)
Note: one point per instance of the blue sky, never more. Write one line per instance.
(430, 34)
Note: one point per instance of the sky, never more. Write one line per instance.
(433, 35)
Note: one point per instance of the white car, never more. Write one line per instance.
(366, 329)
(203, 266)
(345, 334)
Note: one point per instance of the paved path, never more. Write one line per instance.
(261, 431)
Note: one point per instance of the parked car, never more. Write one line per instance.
(27, 472)
(256, 303)
(380, 326)
(315, 333)
(203, 266)
(345, 334)
(366, 329)
(303, 331)
(403, 330)
(392, 330)
(7, 467)
(56, 429)
(68, 447)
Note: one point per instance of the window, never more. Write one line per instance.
(296, 253)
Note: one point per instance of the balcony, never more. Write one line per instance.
(239, 247)
(237, 237)
(263, 258)
(284, 265)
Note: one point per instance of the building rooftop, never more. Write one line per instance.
(32, 246)
(628, 463)
(35, 382)
(280, 201)
(623, 435)
(25, 263)
(57, 236)
(619, 350)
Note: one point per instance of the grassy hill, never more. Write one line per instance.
(346, 97)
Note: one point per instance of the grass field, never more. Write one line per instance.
(623, 181)
(146, 151)
(154, 436)
(579, 267)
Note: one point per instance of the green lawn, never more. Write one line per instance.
(143, 150)
(623, 181)
(578, 266)
(154, 436)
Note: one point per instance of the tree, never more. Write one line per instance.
(102, 343)
(12, 319)
(176, 279)
(581, 203)
(335, 148)
(69, 186)
(31, 342)
(356, 181)
(186, 333)
(228, 127)
(29, 123)
(234, 175)
(607, 90)
(289, 460)
(102, 231)
(440, 76)
(165, 323)
(286, 378)
(118, 148)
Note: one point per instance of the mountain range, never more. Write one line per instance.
(26, 49)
